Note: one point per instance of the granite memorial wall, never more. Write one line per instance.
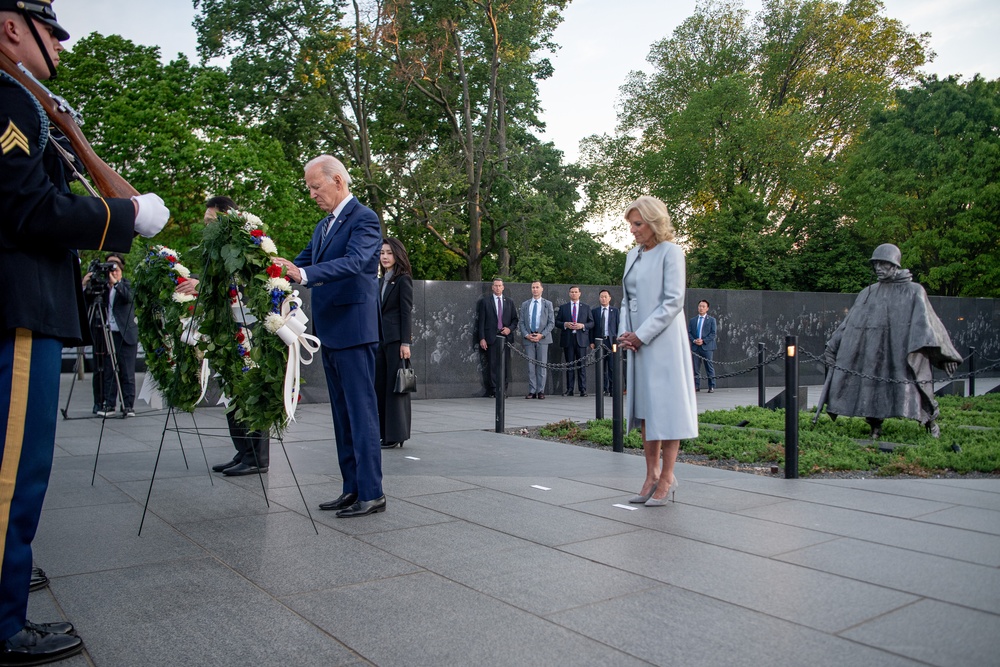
(448, 364)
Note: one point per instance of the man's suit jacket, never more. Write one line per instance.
(708, 332)
(397, 306)
(598, 330)
(584, 315)
(123, 310)
(546, 320)
(343, 275)
(486, 319)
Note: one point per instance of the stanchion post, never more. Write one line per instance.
(972, 372)
(598, 378)
(761, 398)
(501, 376)
(791, 407)
(617, 399)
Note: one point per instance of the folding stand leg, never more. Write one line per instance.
(281, 441)
(179, 440)
(159, 451)
(200, 442)
(100, 439)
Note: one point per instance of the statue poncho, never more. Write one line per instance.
(890, 332)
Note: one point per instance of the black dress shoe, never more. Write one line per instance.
(568, 393)
(38, 579)
(363, 508)
(219, 467)
(531, 396)
(583, 393)
(59, 627)
(32, 647)
(711, 390)
(540, 396)
(345, 500)
(391, 445)
(244, 469)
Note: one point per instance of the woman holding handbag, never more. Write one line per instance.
(396, 287)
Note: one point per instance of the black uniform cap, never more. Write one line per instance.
(38, 9)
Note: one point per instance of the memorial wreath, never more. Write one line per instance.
(167, 329)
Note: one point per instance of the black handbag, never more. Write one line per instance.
(406, 379)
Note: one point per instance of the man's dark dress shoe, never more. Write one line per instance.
(568, 393)
(219, 467)
(696, 390)
(363, 508)
(32, 647)
(38, 579)
(345, 500)
(59, 627)
(243, 469)
(583, 393)
(541, 396)
(711, 390)
(391, 445)
(530, 396)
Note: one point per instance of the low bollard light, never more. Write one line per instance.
(617, 400)
(791, 407)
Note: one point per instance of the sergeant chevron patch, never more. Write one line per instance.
(13, 138)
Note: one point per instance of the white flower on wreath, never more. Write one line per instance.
(182, 298)
(182, 270)
(267, 245)
(273, 322)
(279, 284)
(164, 251)
(251, 221)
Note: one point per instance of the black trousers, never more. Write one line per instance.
(125, 361)
(576, 353)
(252, 447)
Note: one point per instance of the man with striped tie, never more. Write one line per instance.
(536, 322)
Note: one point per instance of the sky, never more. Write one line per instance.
(601, 42)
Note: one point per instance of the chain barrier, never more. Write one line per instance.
(960, 376)
(593, 356)
(773, 357)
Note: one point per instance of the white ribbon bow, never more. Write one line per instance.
(301, 348)
(190, 335)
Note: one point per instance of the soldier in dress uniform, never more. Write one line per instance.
(41, 226)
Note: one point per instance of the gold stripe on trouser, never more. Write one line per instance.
(15, 430)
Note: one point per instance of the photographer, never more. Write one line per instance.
(104, 283)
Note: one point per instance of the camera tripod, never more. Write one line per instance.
(104, 349)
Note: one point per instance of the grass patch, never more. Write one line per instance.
(833, 446)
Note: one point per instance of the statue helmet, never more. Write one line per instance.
(887, 252)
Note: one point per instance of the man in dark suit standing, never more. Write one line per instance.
(340, 265)
(606, 327)
(575, 319)
(496, 315)
(701, 332)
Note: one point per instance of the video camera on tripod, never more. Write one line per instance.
(100, 277)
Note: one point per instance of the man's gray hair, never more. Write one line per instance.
(330, 167)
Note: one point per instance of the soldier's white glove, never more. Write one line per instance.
(152, 215)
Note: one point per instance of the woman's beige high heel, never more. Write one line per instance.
(640, 499)
(660, 502)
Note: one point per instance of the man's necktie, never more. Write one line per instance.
(326, 230)
(534, 317)
(701, 319)
(574, 313)
(604, 316)
(499, 315)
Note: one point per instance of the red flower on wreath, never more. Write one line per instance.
(240, 336)
(257, 233)
(171, 259)
(181, 279)
(274, 271)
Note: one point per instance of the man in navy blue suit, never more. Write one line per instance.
(701, 333)
(606, 327)
(575, 319)
(340, 265)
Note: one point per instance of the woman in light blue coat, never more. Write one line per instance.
(653, 330)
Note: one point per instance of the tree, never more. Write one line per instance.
(926, 176)
(172, 129)
(765, 110)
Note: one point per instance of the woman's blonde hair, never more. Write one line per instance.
(654, 213)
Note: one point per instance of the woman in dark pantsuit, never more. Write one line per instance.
(396, 288)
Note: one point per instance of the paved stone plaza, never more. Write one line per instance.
(500, 550)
